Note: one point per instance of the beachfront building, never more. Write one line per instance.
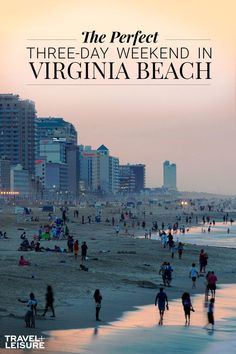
(53, 151)
(132, 178)
(73, 164)
(56, 177)
(17, 131)
(114, 175)
(56, 143)
(5, 168)
(169, 176)
(88, 168)
(54, 129)
(98, 170)
(20, 180)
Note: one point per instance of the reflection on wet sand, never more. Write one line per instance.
(139, 330)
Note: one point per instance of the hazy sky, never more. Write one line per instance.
(193, 126)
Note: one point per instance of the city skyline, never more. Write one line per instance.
(194, 126)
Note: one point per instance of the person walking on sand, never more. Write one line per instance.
(76, 248)
(98, 300)
(193, 274)
(162, 301)
(187, 305)
(49, 301)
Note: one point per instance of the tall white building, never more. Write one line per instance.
(99, 172)
(114, 175)
(169, 175)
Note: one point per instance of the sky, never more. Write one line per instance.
(193, 126)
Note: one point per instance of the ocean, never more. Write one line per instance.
(199, 235)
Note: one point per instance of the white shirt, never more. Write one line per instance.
(193, 272)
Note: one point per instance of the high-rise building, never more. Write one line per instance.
(73, 163)
(98, 170)
(132, 178)
(89, 168)
(56, 177)
(169, 175)
(56, 143)
(127, 179)
(103, 169)
(52, 151)
(114, 180)
(54, 129)
(17, 131)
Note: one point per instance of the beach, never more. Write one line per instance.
(124, 267)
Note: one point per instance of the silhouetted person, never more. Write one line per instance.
(49, 301)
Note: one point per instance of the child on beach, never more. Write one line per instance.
(31, 312)
(162, 300)
(23, 261)
(98, 300)
(193, 274)
(210, 313)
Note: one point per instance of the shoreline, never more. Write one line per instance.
(78, 319)
(81, 315)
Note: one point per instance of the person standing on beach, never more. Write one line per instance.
(210, 313)
(187, 305)
(172, 249)
(203, 257)
(31, 312)
(76, 248)
(162, 301)
(49, 301)
(117, 230)
(212, 279)
(162, 272)
(193, 274)
(207, 286)
(98, 300)
(180, 249)
(84, 249)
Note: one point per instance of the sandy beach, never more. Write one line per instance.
(123, 267)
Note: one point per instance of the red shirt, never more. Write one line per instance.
(212, 279)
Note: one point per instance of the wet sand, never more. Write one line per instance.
(139, 332)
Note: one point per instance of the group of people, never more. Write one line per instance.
(32, 307)
(161, 301)
(166, 273)
(32, 303)
(74, 247)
